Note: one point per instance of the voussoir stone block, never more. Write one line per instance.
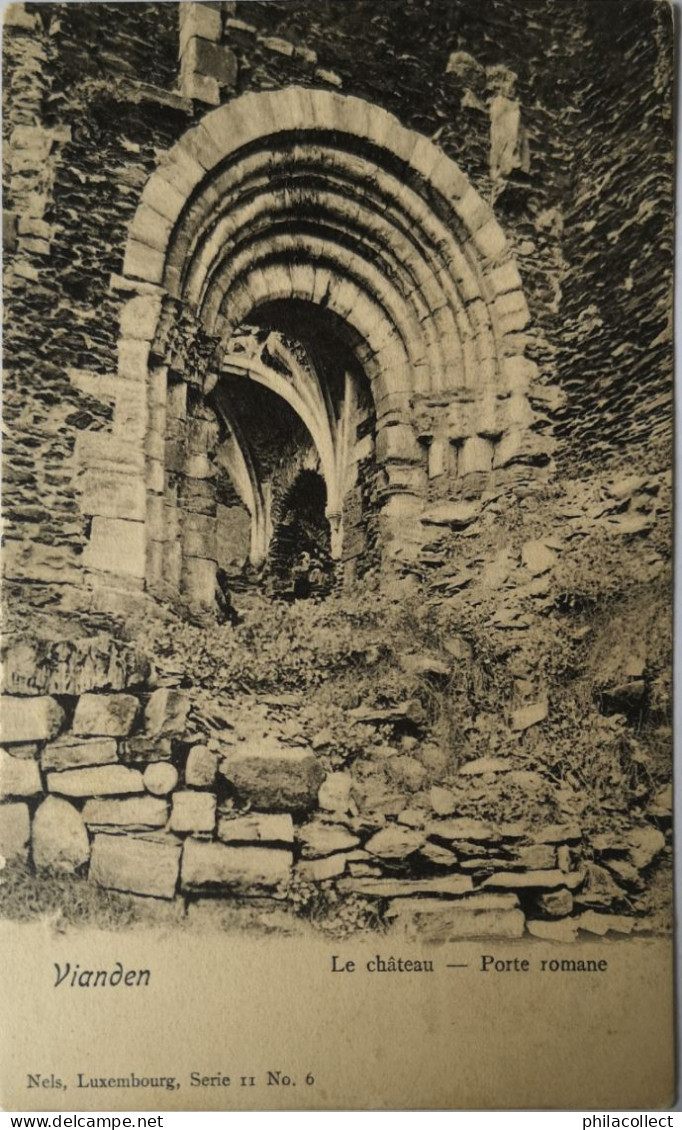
(490, 240)
(60, 838)
(143, 262)
(19, 777)
(70, 753)
(140, 865)
(101, 780)
(110, 715)
(273, 776)
(241, 870)
(32, 719)
(15, 830)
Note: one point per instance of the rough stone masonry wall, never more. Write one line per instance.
(140, 784)
(109, 769)
(100, 108)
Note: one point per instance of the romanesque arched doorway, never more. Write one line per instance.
(306, 243)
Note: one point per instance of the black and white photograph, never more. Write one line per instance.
(337, 558)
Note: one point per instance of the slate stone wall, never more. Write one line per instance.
(160, 792)
(90, 109)
(559, 115)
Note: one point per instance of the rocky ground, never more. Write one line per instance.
(483, 749)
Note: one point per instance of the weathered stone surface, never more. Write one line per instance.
(527, 716)
(142, 865)
(15, 831)
(412, 710)
(257, 827)
(140, 748)
(439, 855)
(562, 930)
(329, 867)
(433, 920)
(413, 817)
(117, 546)
(273, 776)
(408, 773)
(448, 886)
(160, 778)
(485, 765)
(558, 834)
(442, 801)
(461, 828)
(193, 812)
(423, 663)
(457, 515)
(546, 880)
(644, 844)
(60, 838)
(201, 768)
(335, 792)
(600, 887)
(241, 870)
(536, 857)
(32, 719)
(71, 667)
(143, 812)
(558, 904)
(537, 557)
(111, 715)
(25, 751)
(70, 753)
(25, 560)
(101, 780)
(319, 838)
(18, 777)
(213, 60)
(662, 805)
(624, 870)
(395, 842)
(602, 924)
(166, 713)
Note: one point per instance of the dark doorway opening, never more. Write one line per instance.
(300, 557)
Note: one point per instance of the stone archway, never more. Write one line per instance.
(308, 197)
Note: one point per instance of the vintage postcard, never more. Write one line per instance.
(336, 763)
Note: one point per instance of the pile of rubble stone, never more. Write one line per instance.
(173, 794)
